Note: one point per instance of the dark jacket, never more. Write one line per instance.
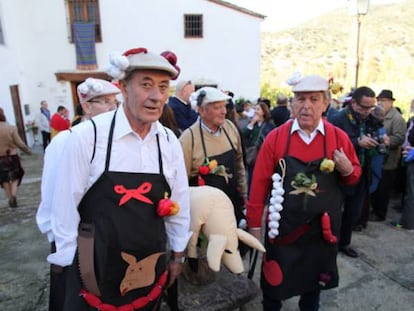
(251, 136)
(184, 115)
(280, 114)
(351, 127)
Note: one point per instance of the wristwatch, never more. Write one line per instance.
(180, 260)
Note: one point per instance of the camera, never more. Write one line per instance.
(378, 135)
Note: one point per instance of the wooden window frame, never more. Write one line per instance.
(84, 6)
(193, 26)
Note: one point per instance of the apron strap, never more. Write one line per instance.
(202, 141)
(86, 233)
(228, 138)
(159, 156)
(204, 144)
(94, 141)
(324, 142)
(109, 148)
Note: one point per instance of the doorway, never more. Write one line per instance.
(17, 108)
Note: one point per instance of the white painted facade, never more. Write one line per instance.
(37, 46)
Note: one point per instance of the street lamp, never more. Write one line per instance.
(359, 8)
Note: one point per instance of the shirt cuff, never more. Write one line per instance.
(50, 236)
(63, 257)
(179, 244)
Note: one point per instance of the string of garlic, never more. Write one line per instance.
(276, 200)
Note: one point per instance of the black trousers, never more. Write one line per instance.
(45, 139)
(381, 197)
(353, 204)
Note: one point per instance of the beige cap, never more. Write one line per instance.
(311, 83)
(151, 61)
(141, 58)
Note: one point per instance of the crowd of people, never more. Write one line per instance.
(302, 175)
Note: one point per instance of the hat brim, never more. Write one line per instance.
(392, 98)
(169, 70)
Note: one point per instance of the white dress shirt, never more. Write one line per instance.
(130, 153)
(44, 123)
(51, 165)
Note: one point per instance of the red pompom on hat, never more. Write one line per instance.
(172, 59)
(141, 58)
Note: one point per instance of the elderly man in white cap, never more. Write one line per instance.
(301, 165)
(96, 96)
(213, 141)
(213, 154)
(123, 196)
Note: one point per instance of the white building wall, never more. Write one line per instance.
(229, 52)
(37, 45)
(9, 73)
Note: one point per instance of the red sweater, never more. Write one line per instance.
(273, 149)
(58, 123)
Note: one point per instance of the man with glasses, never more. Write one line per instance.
(352, 120)
(96, 96)
(395, 127)
(185, 116)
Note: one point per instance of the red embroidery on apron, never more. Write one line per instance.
(137, 194)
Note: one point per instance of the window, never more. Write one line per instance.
(85, 11)
(1, 34)
(193, 26)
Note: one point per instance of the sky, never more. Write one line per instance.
(283, 14)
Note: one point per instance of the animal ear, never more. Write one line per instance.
(216, 246)
(128, 258)
(250, 240)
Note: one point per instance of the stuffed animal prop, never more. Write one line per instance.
(212, 213)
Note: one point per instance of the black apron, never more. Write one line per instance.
(121, 206)
(229, 186)
(300, 260)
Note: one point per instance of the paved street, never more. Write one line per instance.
(381, 279)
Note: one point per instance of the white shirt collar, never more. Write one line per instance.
(208, 130)
(123, 128)
(302, 134)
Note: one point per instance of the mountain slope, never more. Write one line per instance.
(327, 46)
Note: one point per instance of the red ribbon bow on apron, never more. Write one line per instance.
(137, 194)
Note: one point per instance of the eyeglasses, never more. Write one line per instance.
(105, 102)
(366, 108)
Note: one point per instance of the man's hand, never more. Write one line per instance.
(174, 270)
(342, 163)
(367, 142)
(175, 266)
(405, 151)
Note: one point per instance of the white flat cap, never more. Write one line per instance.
(311, 83)
(92, 88)
(141, 58)
(210, 94)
